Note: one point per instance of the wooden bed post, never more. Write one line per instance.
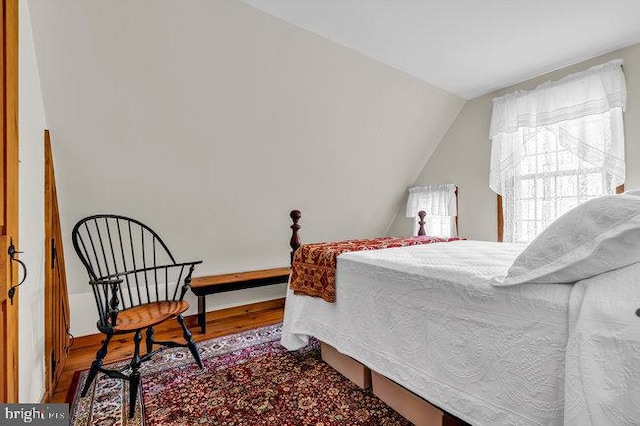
(421, 222)
(295, 216)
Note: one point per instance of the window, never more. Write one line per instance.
(440, 204)
(557, 146)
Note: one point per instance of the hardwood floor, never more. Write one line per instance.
(219, 323)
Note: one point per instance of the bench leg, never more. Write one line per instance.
(202, 313)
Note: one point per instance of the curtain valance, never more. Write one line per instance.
(435, 200)
(599, 89)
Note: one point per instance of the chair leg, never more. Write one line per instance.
(150, 333)
(134, 378)
(190, 343)
(96, 364)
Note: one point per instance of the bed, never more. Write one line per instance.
(433, 319)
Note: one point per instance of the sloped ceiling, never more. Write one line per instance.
(469, 47)
(210, 120)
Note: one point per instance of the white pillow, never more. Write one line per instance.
(596, 236)
(635, 192)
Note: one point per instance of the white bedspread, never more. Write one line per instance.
(603, 353)
(427, 317)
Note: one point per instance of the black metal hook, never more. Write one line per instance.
(12, 252)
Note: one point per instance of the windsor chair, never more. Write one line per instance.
(136, 284)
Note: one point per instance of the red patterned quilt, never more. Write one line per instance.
(313, 272)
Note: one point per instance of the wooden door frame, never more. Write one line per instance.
(49, 381)
(56, 304)
(9, 197)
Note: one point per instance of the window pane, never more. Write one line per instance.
(594, 184)
(549, 180)
(567, 160)
(527, 188)
(438, 226)
(567, 186)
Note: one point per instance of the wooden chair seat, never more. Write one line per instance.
(148, 315)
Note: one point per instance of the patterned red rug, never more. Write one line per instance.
(248, 379)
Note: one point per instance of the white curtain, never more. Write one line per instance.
(557, 146)
(439, 202)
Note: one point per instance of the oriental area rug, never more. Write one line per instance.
(248, 379)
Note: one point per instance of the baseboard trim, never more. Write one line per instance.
(192, 320)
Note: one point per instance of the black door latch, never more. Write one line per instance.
(12, 252)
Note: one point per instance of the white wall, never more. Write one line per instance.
(210, 120)
(463, 155)
(31, 205)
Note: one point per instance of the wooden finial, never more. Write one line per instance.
(421, 222)
(295, 216)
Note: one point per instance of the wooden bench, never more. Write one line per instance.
(212, 284)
